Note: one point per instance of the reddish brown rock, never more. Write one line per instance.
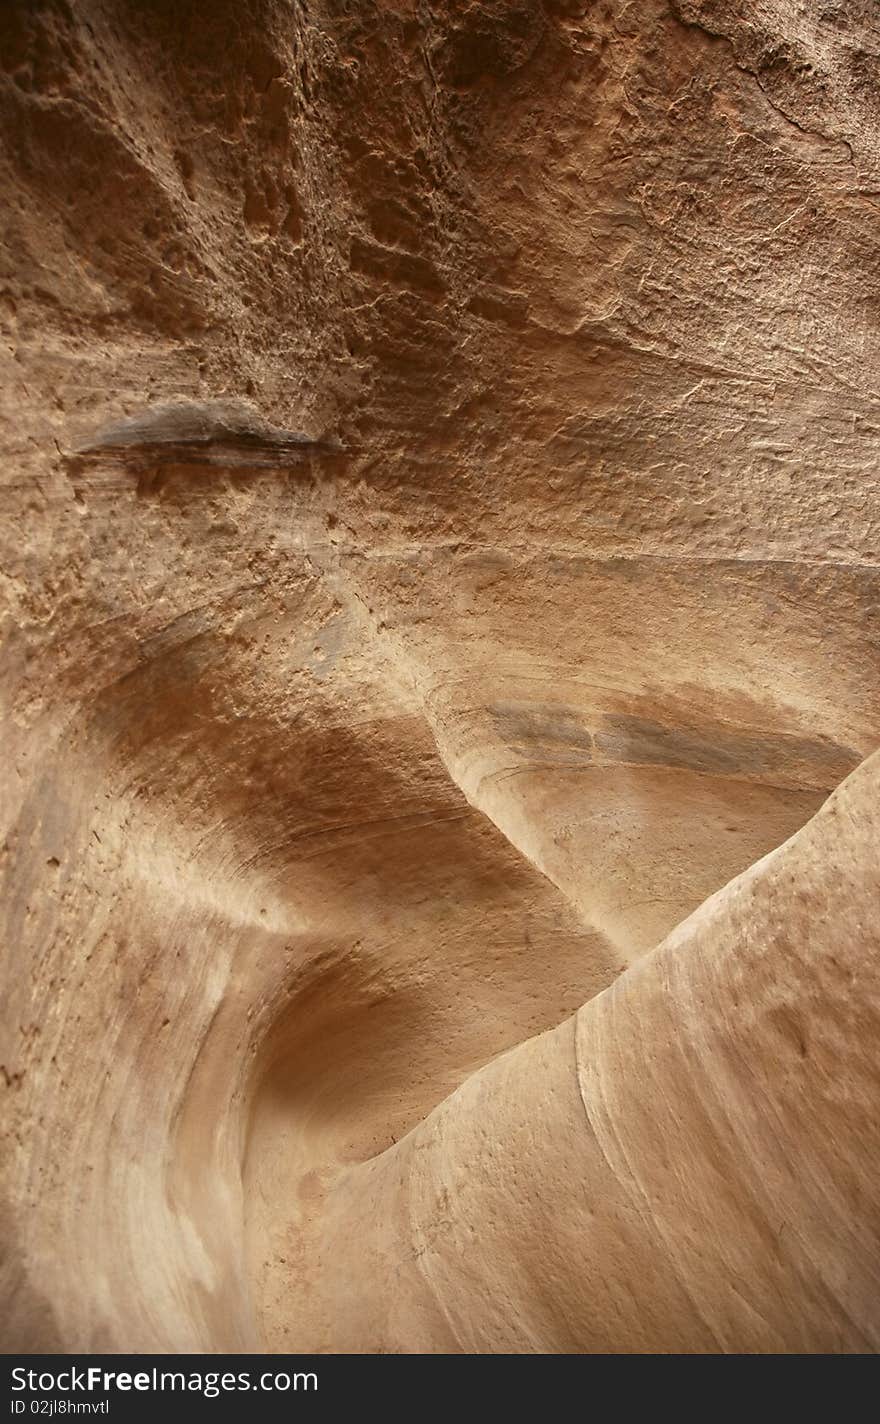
(439, 553)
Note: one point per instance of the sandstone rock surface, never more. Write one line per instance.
(440, 551)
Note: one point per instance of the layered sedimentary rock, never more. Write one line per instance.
(440, 555)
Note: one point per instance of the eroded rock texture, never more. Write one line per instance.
(440, 550)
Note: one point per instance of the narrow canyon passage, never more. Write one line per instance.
(439, 598)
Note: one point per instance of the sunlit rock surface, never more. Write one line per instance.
(440, 541)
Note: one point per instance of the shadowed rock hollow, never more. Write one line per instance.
(440, 554)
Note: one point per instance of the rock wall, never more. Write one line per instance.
(440, 550)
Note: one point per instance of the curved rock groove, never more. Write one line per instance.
(439, 599)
